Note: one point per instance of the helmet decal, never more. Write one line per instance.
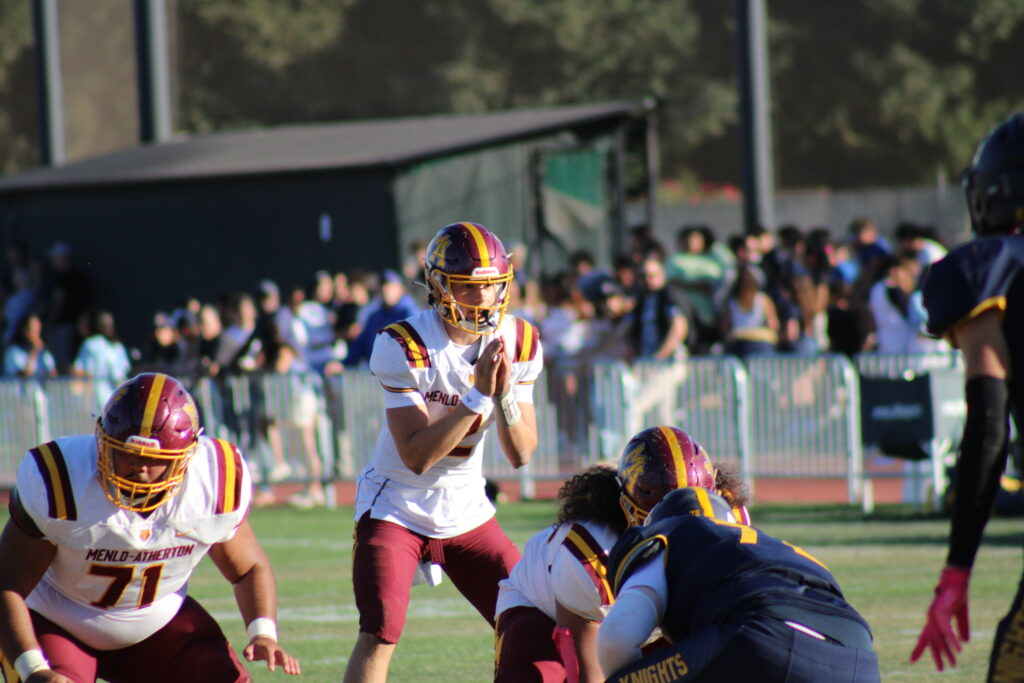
(436, 257)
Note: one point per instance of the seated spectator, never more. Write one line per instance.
(750, 323)
(27, 356)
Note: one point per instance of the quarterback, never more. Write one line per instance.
(104, 533)
(448, 373)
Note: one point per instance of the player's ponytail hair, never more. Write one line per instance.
(592, 496)
(729, 485)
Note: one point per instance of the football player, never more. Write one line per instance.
(551, 606)
(447, 373)
(104, 533)
(735, 603)
(975, 298)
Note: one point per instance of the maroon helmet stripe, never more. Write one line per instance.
(54, 472)
(585, 548)
(411, 342)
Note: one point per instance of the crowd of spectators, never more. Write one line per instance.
(788, 291)
(791, 291)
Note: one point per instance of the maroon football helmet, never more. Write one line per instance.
(467, 252)
(656, 461)
(150, 416)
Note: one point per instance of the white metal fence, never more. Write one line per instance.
(774, 416)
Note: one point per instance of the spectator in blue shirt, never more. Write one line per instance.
(394, 304)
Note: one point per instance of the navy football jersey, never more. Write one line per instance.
(986, 274)
(718, 571)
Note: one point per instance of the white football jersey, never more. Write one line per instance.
(567, 562)
(119, 576)
(417, 364)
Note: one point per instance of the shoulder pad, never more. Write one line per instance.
(632, 551)
(416, 353)
(971, 280)
(527, 341)
(53, 471)
(230, 473)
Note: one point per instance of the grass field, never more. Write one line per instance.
(887, 565)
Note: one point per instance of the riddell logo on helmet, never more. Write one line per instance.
(485, 272)
(142, 441)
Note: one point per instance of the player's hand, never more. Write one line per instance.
(950, 603)
(491, 372)
(262, 648)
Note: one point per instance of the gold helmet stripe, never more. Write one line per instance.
(677, 456)
(481, 245)
(152, 401)
(705, 503)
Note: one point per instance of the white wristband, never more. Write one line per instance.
(29, 662)
(261, 626)
(477, 402)
(509, 408)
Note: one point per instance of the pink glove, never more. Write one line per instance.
(567, 651)
(950, 603)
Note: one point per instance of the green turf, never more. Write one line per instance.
(887, 565)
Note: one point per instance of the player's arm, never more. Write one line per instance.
(584, 637)
(983, 451)
(422, 443)
(984, 445)
(244, 564)
(23, 561)
(638, 609)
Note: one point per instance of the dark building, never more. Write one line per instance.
(203, 215)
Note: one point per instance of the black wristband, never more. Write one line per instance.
(983, 452)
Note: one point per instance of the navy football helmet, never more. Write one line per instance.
(994, 182)
(691, 501)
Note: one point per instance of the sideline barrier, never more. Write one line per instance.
(913, 408)
(774, 416)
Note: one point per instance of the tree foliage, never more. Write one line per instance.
(873, 93)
